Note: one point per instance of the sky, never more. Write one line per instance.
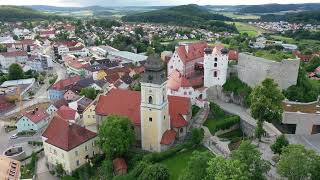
(106, 3)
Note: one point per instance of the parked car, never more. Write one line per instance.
(15, 136)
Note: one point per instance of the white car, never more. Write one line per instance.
(15, 136)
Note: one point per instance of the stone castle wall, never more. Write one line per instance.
(253, 70)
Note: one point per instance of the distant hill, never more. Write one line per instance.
(274, 8)
(187, 15)
(312, 17)
(19, 13)
(68, 9)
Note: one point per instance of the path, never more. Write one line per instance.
(42, 170)
(245, 116)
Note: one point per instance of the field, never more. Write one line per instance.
(234, 15)
(177, 163)
(250, 30)
(276, 56)
(308, 43)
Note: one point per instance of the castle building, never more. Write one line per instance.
(158, 119)
(195, 67)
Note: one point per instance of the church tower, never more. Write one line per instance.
(155, 118)
(215, 67)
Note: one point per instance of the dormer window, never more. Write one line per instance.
(150, 100)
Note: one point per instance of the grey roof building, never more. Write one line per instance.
(154, 71)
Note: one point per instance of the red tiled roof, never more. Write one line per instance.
(37, 115)
(233, 55)
(168, 137)
(67, 113)
(112, 78)
(120, 102)
(176, 80)
(119, 164)
(178, 106)
(59, 103)
(15, 53)
(191, 51)
(65, 135)
(47, 32)
(76, 64)
(66, 43)
(62, 84)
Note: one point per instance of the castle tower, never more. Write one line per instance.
(215, 67)
(154, 105)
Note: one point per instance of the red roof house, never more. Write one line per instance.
(67, 113)
(63, 84)
(37, 115)
(179, 107)
(168, 137)
(65, 135)
(191, 51)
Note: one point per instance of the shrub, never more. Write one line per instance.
(281, 142)
(155, 172)
(195, 110)
(239, 88)
(216, 110)
(197, 136)
(228, 122)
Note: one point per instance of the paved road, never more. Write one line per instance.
(309, 141)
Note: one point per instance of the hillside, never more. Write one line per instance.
(68, 9)
(187, 15)
(312, 17)
(274, 8)
(18, 13)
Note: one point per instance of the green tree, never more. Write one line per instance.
(89, 92)
(3, 48)
(197, 135)
(251, 159)
(116, 135)
(106, 169)
(150, 51)
(139, 30)
(266, 103)
(15, 72)
(220, 168)
(59, 170)
(155, 172)
(296, 162)
(280, 143)
(196, 167)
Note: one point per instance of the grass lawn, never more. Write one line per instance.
(212, 124)
(276, 56)
(250, 30)
(315, 82)
(240, 16)
(177, 163)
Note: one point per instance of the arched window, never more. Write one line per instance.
(215, 59)
(150, 100)
(215, 64)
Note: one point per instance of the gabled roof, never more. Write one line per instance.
(59, 103)
(14, 54)
(191, 51)
(65, 135)
(62, 84)
(120, 102)
(67, 113)
(177, 80)
(168, 137)
(37, 115)
(178, 106)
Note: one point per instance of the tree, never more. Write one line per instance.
(155, 172)
(89, 92)
(280, 143)
(266, 104)
(297, 163)
(15, 72)
(3, 48)
(226, 169)
(106, 169)
(59, 170)
(196, 167)
(139, 30)
(197, 136)
(251, 159)
(116, 135)
(150, 51)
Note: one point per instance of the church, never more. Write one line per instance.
(158, 119)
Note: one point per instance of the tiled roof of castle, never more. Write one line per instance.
(120, 102)
(176, 80)
(168, 137)
(69, 135)
(37, 115)
(178, 106)
(192, 51)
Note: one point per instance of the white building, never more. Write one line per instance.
(8, 58)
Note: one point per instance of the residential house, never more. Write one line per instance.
(68, 114)
(89, 114)
(71, 147)
(57, 90)
(33, 120)
(56, 105)
(80, 104)
(8, 58)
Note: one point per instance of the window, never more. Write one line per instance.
(171, 67)
(215, 74)
(150, 119)
(86, 148)
(88, 116)
(78, 163)
(76, 153)
(150, 100)
(181, 130)
(190, 93)
(215, 64)
(215, 59)
(164, 117)
(185, 93)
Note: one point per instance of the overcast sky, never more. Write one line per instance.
(146, 2)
